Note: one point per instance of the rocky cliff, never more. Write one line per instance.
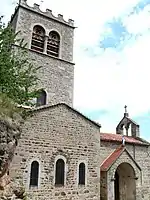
(9, 136)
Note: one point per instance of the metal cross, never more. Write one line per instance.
(125, 109)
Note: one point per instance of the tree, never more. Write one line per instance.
(18, 76)
(18, 80)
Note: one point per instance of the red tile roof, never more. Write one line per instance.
(112, 158)
(118, 138)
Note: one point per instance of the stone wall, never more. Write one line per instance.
(56, 75)
(108, 147)
(60, 131)
(103, 186)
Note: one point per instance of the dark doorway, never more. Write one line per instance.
(117, 186)
(124, 184)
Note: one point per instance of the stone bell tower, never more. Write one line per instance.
(128, 125)
(50, 45)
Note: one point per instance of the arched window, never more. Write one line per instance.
(41, 99)
(82, 174)
(53, 44)
(60, 172)
(34, 174)
(38, 37)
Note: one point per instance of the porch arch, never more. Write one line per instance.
(130, 163)
(135, 171)
(124, 182)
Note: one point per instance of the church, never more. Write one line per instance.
(62, 154)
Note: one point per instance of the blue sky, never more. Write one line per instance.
(111, 52)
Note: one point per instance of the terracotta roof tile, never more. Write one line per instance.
(118, 138)
(112, 158)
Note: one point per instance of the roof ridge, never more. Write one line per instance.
(117, 149)
(118, 138)
(48, 106)
(111, 159)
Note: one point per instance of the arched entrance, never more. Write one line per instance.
(125, 186)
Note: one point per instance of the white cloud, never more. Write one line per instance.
(7, 8)
(138, 23)
(119, 78)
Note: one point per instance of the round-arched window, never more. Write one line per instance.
(60, 172)
(41, 99)
(53, 44)
(81, 174)
(38, 38)
(34, 174)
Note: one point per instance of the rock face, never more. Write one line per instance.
(9, 135)
(14, 190)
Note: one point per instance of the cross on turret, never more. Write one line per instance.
(127, 126)
(126, 113)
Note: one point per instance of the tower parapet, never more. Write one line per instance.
(48, 13)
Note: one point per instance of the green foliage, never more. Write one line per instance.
(18, 76)
(7, 106)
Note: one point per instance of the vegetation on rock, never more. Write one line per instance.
(18, 80)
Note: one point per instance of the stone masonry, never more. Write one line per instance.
(56, 74)
(57, 131)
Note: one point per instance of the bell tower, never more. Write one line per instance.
(127, 124)
(50, 46)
